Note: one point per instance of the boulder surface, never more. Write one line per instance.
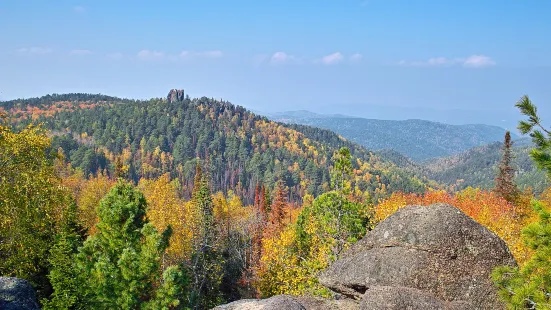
(436, 257)
(17, 294)
(279, 302)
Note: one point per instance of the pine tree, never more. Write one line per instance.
(504, 183)
(207, 263)
(63, 275)
(119, 267)
(541, 136)
(342, 169)
(530, 286)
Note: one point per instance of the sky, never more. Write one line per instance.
(450, 61)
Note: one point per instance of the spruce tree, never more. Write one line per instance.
(63, 274)
(119, 267)
(504, 183)
(207, 262)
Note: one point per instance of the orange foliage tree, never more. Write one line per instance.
(487, 208)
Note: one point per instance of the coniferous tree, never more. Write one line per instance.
(63, 275)
(342, 169)
(504, 183)
(278, 209)
(541, 136)
(207, 263)
(530, 286)
(119, 267)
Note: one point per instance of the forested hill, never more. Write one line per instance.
(477, 167)
(238, 148)
(417, 139)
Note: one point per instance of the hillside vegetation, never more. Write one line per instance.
(417, 139)
(477, 167)
(240, 149)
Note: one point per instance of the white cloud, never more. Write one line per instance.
(440, 61)
(356, 57)
(332, 58)
(34, 50)
(279, 58)
(147, 54)
(478, 61)
(79, 9)
(81, 52)
(474, 61)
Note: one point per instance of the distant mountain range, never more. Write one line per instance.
(417, 139)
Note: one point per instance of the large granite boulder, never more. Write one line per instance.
(433, 257)
(17, 294)
(287, 302)
(279, 302)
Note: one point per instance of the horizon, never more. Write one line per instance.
(394, 60)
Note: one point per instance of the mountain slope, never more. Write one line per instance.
(238, 148)
(417, 139)
(477, 167)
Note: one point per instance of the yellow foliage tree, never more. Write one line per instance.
(88, 198)
(165, 208)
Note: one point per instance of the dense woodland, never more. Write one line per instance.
(417, 139)
(239, 149)
(188, 204)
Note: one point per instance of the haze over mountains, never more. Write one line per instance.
(417, 139)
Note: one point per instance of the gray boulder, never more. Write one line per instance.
(318, 303)
(395, 297)
(287, 302)
(17, 294)
(444, 256)
(279, 302)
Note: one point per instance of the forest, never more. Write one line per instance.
(191, 203)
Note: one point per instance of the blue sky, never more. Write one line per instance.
(452, 61)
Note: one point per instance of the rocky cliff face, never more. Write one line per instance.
(175, 95)
(17, 294)
(433, 257)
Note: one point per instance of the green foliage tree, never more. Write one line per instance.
(63, 275)
(333, 220)
(206, 267)
(541, 136)
(342, 169)
(530, 287)
(505, 180)
(120, 266)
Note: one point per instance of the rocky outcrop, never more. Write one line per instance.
(280, 302)
(433, 255)
(17, 294)
(175, 95)
(429, 258)
(287, 302)
(395, 297)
